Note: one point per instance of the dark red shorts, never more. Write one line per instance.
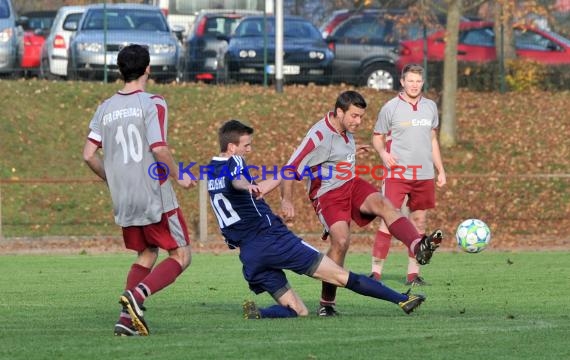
(421, 193)
(343, 203)
(168, 234)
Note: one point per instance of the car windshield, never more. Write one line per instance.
(221, 25)
(124, 19)
(292, 28)
(39, 21)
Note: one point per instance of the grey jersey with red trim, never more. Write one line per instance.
(127, 127)
(325, 158)
(408, 136)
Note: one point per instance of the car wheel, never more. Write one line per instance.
(379, 77)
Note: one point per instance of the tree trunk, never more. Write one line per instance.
(503, 15)
(448, 132)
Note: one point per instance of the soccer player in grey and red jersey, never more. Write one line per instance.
(131, 128)
(405, 136)
(339, 198)
(267, 246)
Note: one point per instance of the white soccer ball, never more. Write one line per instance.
(473, 236)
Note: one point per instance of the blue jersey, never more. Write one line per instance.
(240, 216)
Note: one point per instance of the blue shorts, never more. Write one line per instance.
(275, 249)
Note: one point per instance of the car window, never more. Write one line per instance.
(249, 28)
(124, 20)
(367, 29)
(530, 40)
(478, 37)
(221, 26)
(71, 21)
(559, 38)
(4, 9)
(39, 23)
(299, 29)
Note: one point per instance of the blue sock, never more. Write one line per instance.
(366, 286)
(277, 311)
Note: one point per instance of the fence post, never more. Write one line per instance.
(203, 209)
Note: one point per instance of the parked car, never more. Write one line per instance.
(54, 50)
(306, 56)
(338, 16)
(104, 29)
(36, 26)
(365, 44)
(206, 45)
(477, 44)
(11, 33)
(183, 13)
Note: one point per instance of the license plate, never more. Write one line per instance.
(287, 69)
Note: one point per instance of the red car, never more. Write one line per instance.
(477, 44)
(36, 28)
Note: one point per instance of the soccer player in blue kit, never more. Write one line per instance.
(267, 246)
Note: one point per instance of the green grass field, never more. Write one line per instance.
(493, 305)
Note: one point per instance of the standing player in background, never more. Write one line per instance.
(266, 245)
(328, 152)
(131, 128)
(405, 137)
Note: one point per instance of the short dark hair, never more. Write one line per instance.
(348, 98)
(133, 61)
(231, 131)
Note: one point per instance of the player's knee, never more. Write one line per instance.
(340, 245)
(182, 255)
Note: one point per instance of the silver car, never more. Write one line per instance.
(54, 51)
(11, 34)
(104, 29)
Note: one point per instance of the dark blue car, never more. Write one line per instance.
(306, 56)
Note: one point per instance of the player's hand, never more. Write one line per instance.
(441, 179)
(389, 159)
(256, 191)
(186, 182)
(287, 209)
(362, 149)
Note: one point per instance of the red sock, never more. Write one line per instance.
(404, 231)
(135, 276)
(381, 245)
(412, 276)
(160, 277)
(410, 252)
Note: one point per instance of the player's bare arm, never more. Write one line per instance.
(268, 185)
(162, 154)
(438, 163)
(379, 144)
(287, 208)
(242, 184)
(363, 149)
(93, 159)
